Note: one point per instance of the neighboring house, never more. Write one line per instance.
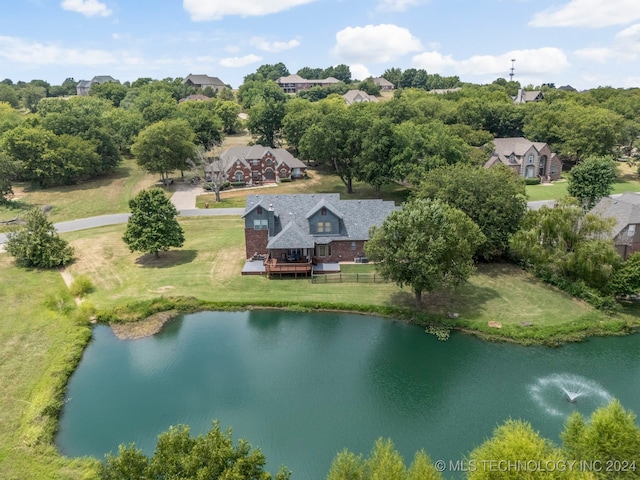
(384, 84)
(295, 83)
(524, 96)
(358, 96)
(625, 209)
(255, 165)
(200, 82)
(83, 86)
(528, 159)
(194, 98)
(296, 231)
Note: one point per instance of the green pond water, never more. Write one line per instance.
(304, 386)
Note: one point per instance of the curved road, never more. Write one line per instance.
(104, 220)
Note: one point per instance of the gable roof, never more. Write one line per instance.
(292, 212)
(253, 152)
(196, 97)
(103, 79)
(383, 82)
(204, 80)
(624, 208)
(357, 96)
(503, 148)
(525, 96)
(298, 79)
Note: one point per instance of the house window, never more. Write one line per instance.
(259, 210)
(512, 158)
(530, 158)
(268, 161)
(239, 177)
(353, 245)
(631, 232)
(260, 224)
(323, 227)
(323, 211)
(552, 169)
(283, 173)
(323, 250)
(254, 163)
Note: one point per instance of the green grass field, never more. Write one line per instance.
(628, 181)
(106, 195)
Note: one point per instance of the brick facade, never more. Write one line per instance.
(256, 241)
(343, 251)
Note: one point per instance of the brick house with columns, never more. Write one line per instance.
(313, 228)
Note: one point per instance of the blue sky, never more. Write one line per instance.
(584, 43)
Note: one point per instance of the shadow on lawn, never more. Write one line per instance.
(168, 259)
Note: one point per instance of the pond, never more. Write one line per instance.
(303, 386)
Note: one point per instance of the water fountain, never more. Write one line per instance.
(546, 391)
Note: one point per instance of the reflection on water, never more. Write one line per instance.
(304, 386)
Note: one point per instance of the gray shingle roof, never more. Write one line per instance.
(504, 147)
(248, 153)
(624, 208)
(204, 80)
(291, 213)
(357, 96)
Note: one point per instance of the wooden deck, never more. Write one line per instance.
(275, 267)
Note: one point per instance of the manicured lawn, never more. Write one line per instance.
(98, 197)
(628, 181)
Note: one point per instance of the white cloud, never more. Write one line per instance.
(273, 47)
(374, 43)
(398, 5)
(359, 71)
(201, 10)
(625, 47)
(34, 53)
(89, 8)
(537, 62)
(237, 62)
(588, 13)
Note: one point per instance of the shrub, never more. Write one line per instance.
(532, 181)
(285, 179)
(237, 184)
(81, 286)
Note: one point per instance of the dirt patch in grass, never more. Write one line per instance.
(144, 328)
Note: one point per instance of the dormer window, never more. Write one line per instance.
(323, 227)
(323, 211)
(530, 158)
(268, 161)
(259, 210)
(512, 158)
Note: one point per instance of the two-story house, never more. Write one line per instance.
(528, 159)
(307, 229)
(295, 83)
(256, 165)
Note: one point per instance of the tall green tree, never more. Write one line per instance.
(592, 179)
(153, 225)
(165, 147)
(37, 244)
(495, 199)
(427, 245)
(564, 241)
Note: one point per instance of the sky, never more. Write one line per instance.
(582, 43)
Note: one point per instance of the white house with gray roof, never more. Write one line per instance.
(297, 230)
(625, 209)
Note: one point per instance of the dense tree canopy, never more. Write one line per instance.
(495, 199)
(164, 147)
(179, 455)
(37, 244)
(427, 245)
(152, 226)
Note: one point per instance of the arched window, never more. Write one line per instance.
(239, 177)
(269, 174)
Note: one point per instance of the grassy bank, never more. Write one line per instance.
(41, 343)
